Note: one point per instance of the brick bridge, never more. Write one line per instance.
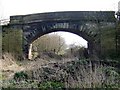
(87, 24)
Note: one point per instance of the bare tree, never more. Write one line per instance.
(52, 42)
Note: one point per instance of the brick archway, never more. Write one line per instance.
(86, 24)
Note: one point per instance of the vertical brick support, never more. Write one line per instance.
(118, 28)
(30, 52)
(12, 40)
(1, 56)
(118, 33)
(27, 46)
(118, 37)
(97, 43)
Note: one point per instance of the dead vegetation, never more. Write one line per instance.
(72, 72)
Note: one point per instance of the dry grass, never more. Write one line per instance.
(74, 73)
(89, 77)
(9, 66)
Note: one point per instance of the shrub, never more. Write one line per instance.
(51, 84)
(20, 76)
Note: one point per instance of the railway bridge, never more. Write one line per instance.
(90, 25)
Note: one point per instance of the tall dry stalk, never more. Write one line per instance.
(87, 77)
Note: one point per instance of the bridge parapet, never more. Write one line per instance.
(108, 16)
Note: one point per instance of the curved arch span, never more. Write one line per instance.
(81, 34)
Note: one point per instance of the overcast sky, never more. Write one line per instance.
(22, 7)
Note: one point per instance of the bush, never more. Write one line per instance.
(51, 84)
(20, 76)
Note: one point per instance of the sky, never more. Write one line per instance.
(22, 7)
(71, 38)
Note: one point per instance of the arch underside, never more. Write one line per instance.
(35, 30)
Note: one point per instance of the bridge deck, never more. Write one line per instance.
(108, 16)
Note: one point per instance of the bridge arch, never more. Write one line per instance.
(80, 30)
(84, 35)
(83, 23)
